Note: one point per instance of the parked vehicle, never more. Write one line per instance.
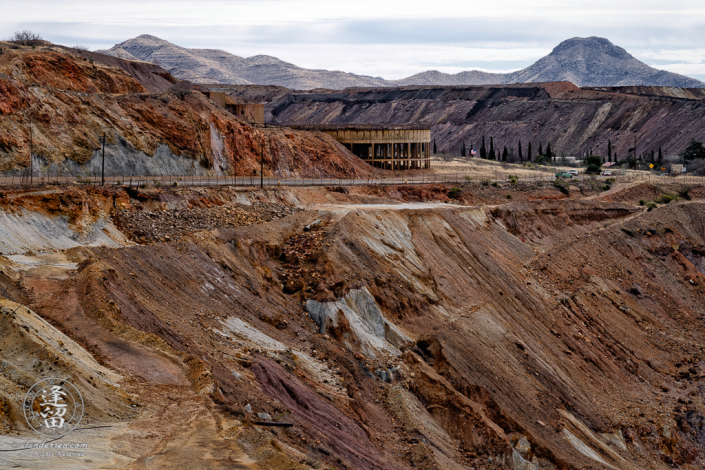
(573, 172)
(606, 173)
(564, 174)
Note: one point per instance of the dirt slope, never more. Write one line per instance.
(535, 334)
(70, 101)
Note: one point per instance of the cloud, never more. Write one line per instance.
(392, 39)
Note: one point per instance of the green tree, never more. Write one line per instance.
(434, 147)
(609, 150)
(549, 154)
(540, 149)
(483, 150)
(505, 154)
(660, 156)
(528, 153)
(462, 150)
(492, 155)
(694, 150)
(594, 164)
(521, 157)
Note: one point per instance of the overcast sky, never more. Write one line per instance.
(391, 39)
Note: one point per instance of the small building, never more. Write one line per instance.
(249, 112)
(677, 168)
(218, 97)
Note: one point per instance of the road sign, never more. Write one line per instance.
(651, 165)
(663, 168)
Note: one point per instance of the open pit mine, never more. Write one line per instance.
(361, 327)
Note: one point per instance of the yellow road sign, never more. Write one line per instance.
(651, 165)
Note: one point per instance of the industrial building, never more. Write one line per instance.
(386, 147)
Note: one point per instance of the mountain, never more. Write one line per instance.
(216, 66)
(592, 62)
(597, 62)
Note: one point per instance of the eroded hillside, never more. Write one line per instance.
(573, 120)
(549, 332)
(69, 101)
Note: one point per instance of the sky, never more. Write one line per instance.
(391, 39)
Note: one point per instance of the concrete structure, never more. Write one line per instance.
(250, 112)
(218, 97)
(391, 148)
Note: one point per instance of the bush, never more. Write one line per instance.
(642, 202)
(26, 38)
(513, 179)
(666, 198)
(485, 182)
(509, 196)
(468, 178)
(611, 180)
(562, 186)
(651, 206)
(176, 183)
(606, 187)
(454, 192)
(495, 184)
(685, 193)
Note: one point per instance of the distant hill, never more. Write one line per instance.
(589, 61)
(216, 66)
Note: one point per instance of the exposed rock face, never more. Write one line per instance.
(71, 100)
(589, 61)
(572, 119)
(505, 337)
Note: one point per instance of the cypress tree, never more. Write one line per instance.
(609, 150)
(434, 147)
(492, 155)
(483, 150)
(505, 153)
(521, 157)
(528, 153)
(653, 157)
(549, 154)
(540, 148)
(462, 150)
(660, 156)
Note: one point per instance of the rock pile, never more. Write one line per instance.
(147, 226)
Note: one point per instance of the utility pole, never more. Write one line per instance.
(102, 170)
(31, 148)
(261, 166)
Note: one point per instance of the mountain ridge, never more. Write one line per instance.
(591, 61)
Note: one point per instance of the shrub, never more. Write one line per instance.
(513, 179)
(651, 206)
(607, 187)
(454, 192)
(26, 38)
(562, 186)
(666, 198)
(495, 184)
(509, 196)
(485, 182)
(176, 183)
(468, 178)
(611, 180)
(642, 202)
(685, 193)
(118, 182)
